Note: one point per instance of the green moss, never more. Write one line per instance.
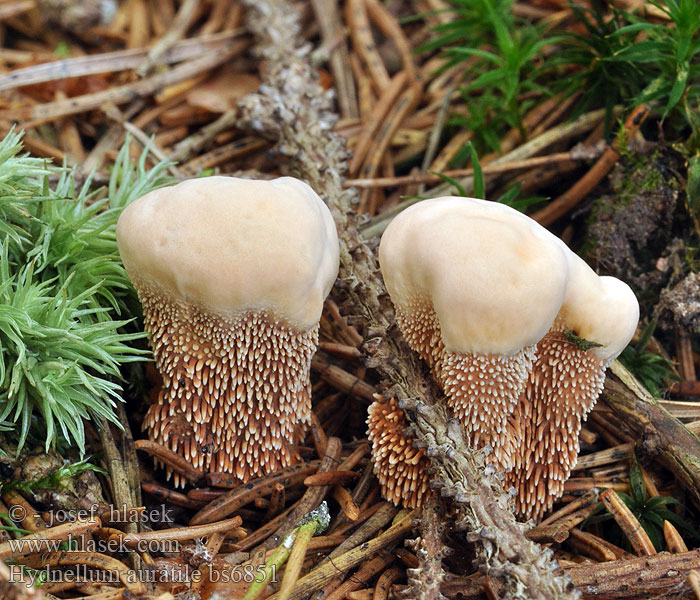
(65, 299)
(640, 172)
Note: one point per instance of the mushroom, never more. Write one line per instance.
(475, 286)
(232, 275)
(401, 469)
(596, 321)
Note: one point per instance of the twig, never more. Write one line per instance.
(379, 519)
(341, 350)
(328, 18)
(131, 460)
(589, 545)
(109, 140)
(91, 559)
(8, 11)
(588, 498)
(558, 529)
(109, 62)
(664, 436)
(319, 437)
(195, 142)
(28, 516)
(171, 459)
(526, 150)
(604, 457)
(121, 488)
(374, 120)
(312, 497)
(694, 581)
(388, 25)
(527, 163)
(684, 352)
(631, 527)
(181, 533)
(277, 501)
(674, 541)
(330, 478)
(560, 206)
(434, 139)
(12, 589)
(262, 533)
(339, 323)
(324, 573)
(243, 494)
(346, 503)
(165, 494)
(30, 544)
(297, 542)
(646, 577)
(398, 112)
(221, 154)
(450, 149)
(124, 93)
(363, 42)
(341, 379)
(424, 581)
(363, 575)
(115, 114)
(384, 583)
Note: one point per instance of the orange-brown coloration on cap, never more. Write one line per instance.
(481, 389)
(400, 468)
(562, 388)
(235, 390)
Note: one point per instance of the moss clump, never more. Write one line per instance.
(631, 227)
(65, 299)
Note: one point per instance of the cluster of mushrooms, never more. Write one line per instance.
(232, 275)
(518, 332)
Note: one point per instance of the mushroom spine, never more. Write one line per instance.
(596, 321)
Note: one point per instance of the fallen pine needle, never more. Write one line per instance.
(633, 530)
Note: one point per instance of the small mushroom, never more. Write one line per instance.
(595, 323)
(475, 286)
(401, 469)
(232, 275)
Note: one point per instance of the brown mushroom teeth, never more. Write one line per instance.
(232, 274)
(401, 469)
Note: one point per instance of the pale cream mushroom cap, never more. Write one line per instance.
(495, 281)
(603, 310)
(231, 245)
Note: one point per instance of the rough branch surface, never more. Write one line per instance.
(661, 434)
(291, 109)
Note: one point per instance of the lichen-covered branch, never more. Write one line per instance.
(424, 582)
(291, 109)
(662, 435)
